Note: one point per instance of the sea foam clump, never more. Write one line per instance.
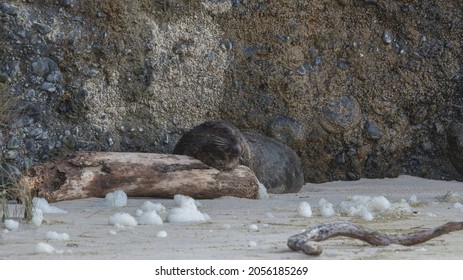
(42, 204)
(262, 194)
(57, 236)
(304, 209)
(161, 234)
(186, 211)
(37, 217)
(44, 248)
(367, 207)
(150, 206)
(122, 219)
(450, 197)
(326, 208)
(149, 218)
(458, 206)
(11, 225)
(116, 199)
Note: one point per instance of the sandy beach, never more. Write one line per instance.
(244, 229)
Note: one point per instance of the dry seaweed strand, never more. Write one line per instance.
(306, 241)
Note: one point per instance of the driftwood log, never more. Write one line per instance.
(94, 174)
(306, 241)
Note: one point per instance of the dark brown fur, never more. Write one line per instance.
(221, 145)
(216, 143)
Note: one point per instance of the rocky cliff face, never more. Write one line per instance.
(364, 88)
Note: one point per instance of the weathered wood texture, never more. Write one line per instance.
(306, 241)
(94, 174)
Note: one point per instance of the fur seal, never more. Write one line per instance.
(223, 146)
(216, 143)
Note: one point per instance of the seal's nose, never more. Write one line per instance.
(235, 150)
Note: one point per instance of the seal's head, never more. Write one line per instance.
(216, 143)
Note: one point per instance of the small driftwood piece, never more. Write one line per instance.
(94, 174)
(306, 241)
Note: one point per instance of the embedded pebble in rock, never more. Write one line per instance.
(387, 37)
(340, 115)
(92, 73)
(13, 143)
(11, 154)
(35, 132)
(42, 28)
(301, 71)
(8, 9)
(54, 77)
(343, 64)
(4, 78)
(66, 3)
(372, 131)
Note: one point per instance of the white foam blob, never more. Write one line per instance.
(253, 227)
(269, 215)
(379, 204)
(57, 236)
(150, 218)
(116, 199)
(161, 234)
(186, 211)
(42, 204)
(139, 212)
(367, 207)
(122, 219)
(11, 225)
(326, 208)
(413, 200)
(304, 209)
(150, 206)
(252, 244)
(458, 206)
(262, 194)
(37, 217)
(451, 197)
(44, 248)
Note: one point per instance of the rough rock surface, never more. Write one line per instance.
(364, 88)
